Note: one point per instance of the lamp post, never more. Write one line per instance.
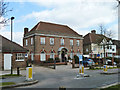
(11, 41)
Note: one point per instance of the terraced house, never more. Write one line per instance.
(48, 40)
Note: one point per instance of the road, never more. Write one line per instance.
(65, 76)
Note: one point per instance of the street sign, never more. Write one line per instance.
(80, 58)
(98, 55)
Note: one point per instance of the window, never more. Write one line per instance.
(78, 43)
(42, 56)
(51, 41)
(31, 41)
(71, 42)
(26, 42)
(42, 40)
(71, 55)
(52, 55)
(62, 41)
(110, 47)
(19, 57)
(86, 49)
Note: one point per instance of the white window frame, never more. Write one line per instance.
(20, 56)
(31, 41)
(71, 42)
(26, 42)
(52, 55)
(51, 43)
(78, 42)
(62, 41)
(42, 40)
(41, 55)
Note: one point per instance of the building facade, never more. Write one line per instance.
(95, 44)
(11, 54)
(48, 40)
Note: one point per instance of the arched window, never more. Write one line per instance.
(52, 54)
(42, 56)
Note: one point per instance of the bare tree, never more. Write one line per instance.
(3, 12)
(102, 29)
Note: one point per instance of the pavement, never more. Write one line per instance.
(64, 76)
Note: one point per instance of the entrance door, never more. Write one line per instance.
(7, 61)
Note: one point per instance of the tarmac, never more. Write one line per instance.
(21, 80)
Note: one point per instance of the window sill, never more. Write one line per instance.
(20, 60)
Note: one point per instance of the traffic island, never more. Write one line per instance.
(25, 83)
(109, 73)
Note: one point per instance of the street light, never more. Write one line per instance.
(11, 41)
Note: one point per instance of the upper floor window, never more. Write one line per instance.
(71, 42)
(42, 39)
(62, 41)
(31, 41)
(26, 42)
(51, 41)
(78, 42)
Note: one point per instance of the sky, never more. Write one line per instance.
(80, 15)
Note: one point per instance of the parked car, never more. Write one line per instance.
(109, 62)
(88, 62)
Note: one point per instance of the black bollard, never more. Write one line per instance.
(54, 64)
(18, 71)
(11, 70)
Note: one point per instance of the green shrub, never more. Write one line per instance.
(50, 59)
(76, 59)
(57, 58)
(69, 58)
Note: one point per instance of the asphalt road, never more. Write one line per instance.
(65, 76)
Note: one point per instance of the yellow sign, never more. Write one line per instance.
(30, 73)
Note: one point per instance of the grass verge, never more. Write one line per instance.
(9, 75)
(115, 87)
(98, 68)
(7, 83)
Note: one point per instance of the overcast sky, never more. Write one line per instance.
(81, 15)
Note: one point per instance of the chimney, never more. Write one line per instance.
(25, 30)
(93, 31)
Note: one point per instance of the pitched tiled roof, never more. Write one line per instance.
(117, 43)
(6, 46)
(94, 38)
(53, 29)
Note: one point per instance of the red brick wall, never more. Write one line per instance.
(47, 47)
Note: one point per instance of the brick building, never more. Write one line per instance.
(95, 44)
(11, 54)
(48, 40)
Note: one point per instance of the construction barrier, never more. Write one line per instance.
(105, 68)
(29, 74)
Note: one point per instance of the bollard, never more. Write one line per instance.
(54, 64)
(81, 70)
(11, 70)
(18, 71)
(105, 68)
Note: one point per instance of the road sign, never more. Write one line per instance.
(80, 58)
(98, 55)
